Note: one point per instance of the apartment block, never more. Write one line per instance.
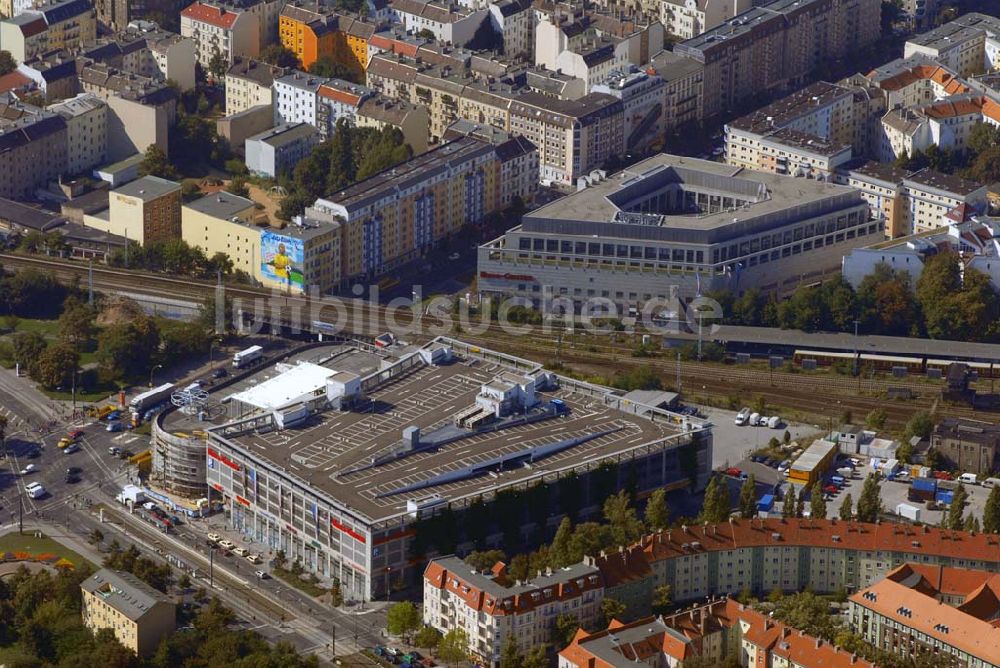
(935, 612)
(396, 215)
(493, 609)
(573, 136)
(138, 615)
(718, 629)
(945, 123)
(141, 110)
(249, 83)
(643, 96)
(969, 445)
(683, 81)
(913, 202)
(451, 24)
(225, 223)
(978, 241)
(313, 31)
(410, 119)
(33, 148)
(689, 18)
(295, 98)
(86, 117)
(335, 100)
(968, 45)
(775, 47)
(278, 150)
(515, 20)
(809, 133)
(146, 210)
(49, 26)
(231, 32)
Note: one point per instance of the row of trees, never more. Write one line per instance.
(980, 161)
(351, 155)
(948, 303)
(176, 256)
(571, 543)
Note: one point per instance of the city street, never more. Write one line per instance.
(69, 512)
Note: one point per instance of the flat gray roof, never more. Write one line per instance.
(220, 205)
(769, 195)
(326, 451)
(148, 188)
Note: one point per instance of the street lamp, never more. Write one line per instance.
(152, 371)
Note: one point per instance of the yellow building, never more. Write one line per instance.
(312, 35)
(146, 210)
(813, 463)
(396, 215)
(297, 257)
(139, 615)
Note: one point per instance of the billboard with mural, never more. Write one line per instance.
(282, 258)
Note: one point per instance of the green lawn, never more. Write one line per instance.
(47, 328)
(82, 396)
(12, 542)
(295, 581)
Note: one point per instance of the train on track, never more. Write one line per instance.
(913, 364)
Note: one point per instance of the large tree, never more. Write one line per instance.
(625, 525)
(155, 163)
(748, 498)
(817, 504)
(454, 646)
(847, 508)
(869, 503)
(403, 619)
(991, 512)
(279, 55)
(7, 63)
(657, 515)
(56, 365)
(125, 350)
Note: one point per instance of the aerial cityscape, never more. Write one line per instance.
(499, 334)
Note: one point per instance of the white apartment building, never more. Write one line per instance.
(233, 33)
(86, 117)
(491, 608)
(338, 99)
(296, 98)
(515, 20)
(449, 24)
(690, 18)
(968, 45)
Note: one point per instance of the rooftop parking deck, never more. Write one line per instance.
(335, 451)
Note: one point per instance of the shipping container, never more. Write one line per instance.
(944, 496)
(766, 503)
(925, 484)
(908, 511)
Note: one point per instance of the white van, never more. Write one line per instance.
(742, 417)
(968, 478)
(754, 419)
(774, 421)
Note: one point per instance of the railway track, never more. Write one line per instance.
(817, 394)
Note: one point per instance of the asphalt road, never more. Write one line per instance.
(71, 511)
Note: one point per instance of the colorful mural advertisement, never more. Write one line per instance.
(282, 259)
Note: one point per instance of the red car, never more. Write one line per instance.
(942, 475)
(75, 435)
(831, 489)
(733, 471)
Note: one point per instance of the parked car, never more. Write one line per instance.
(261, 575)
(227, 544)
(831, 490)
(71, 449)
(255, 558)
(219, 373)
(75, 435)
(113, 415)
(742, 417)
(774, 422)
(241, 551)
(63, 442)
(115, 426)
(114, 451)
(733, 471)
(214, 537)
(30, 468)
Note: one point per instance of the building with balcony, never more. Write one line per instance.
(49, 26)
(494, 609)
(86, 117)
(227, 31)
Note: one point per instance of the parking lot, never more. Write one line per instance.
(732, 444)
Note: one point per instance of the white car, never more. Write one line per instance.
(227, 544)
(261, 575)
(242, 551)
(774, 422)
(754, 419)
(742, 417)
(214, 537)
(30, 468)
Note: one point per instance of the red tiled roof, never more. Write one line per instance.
(216, 16)
(634, 562)
(346, 97)
(33, 28)
(13, 81)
